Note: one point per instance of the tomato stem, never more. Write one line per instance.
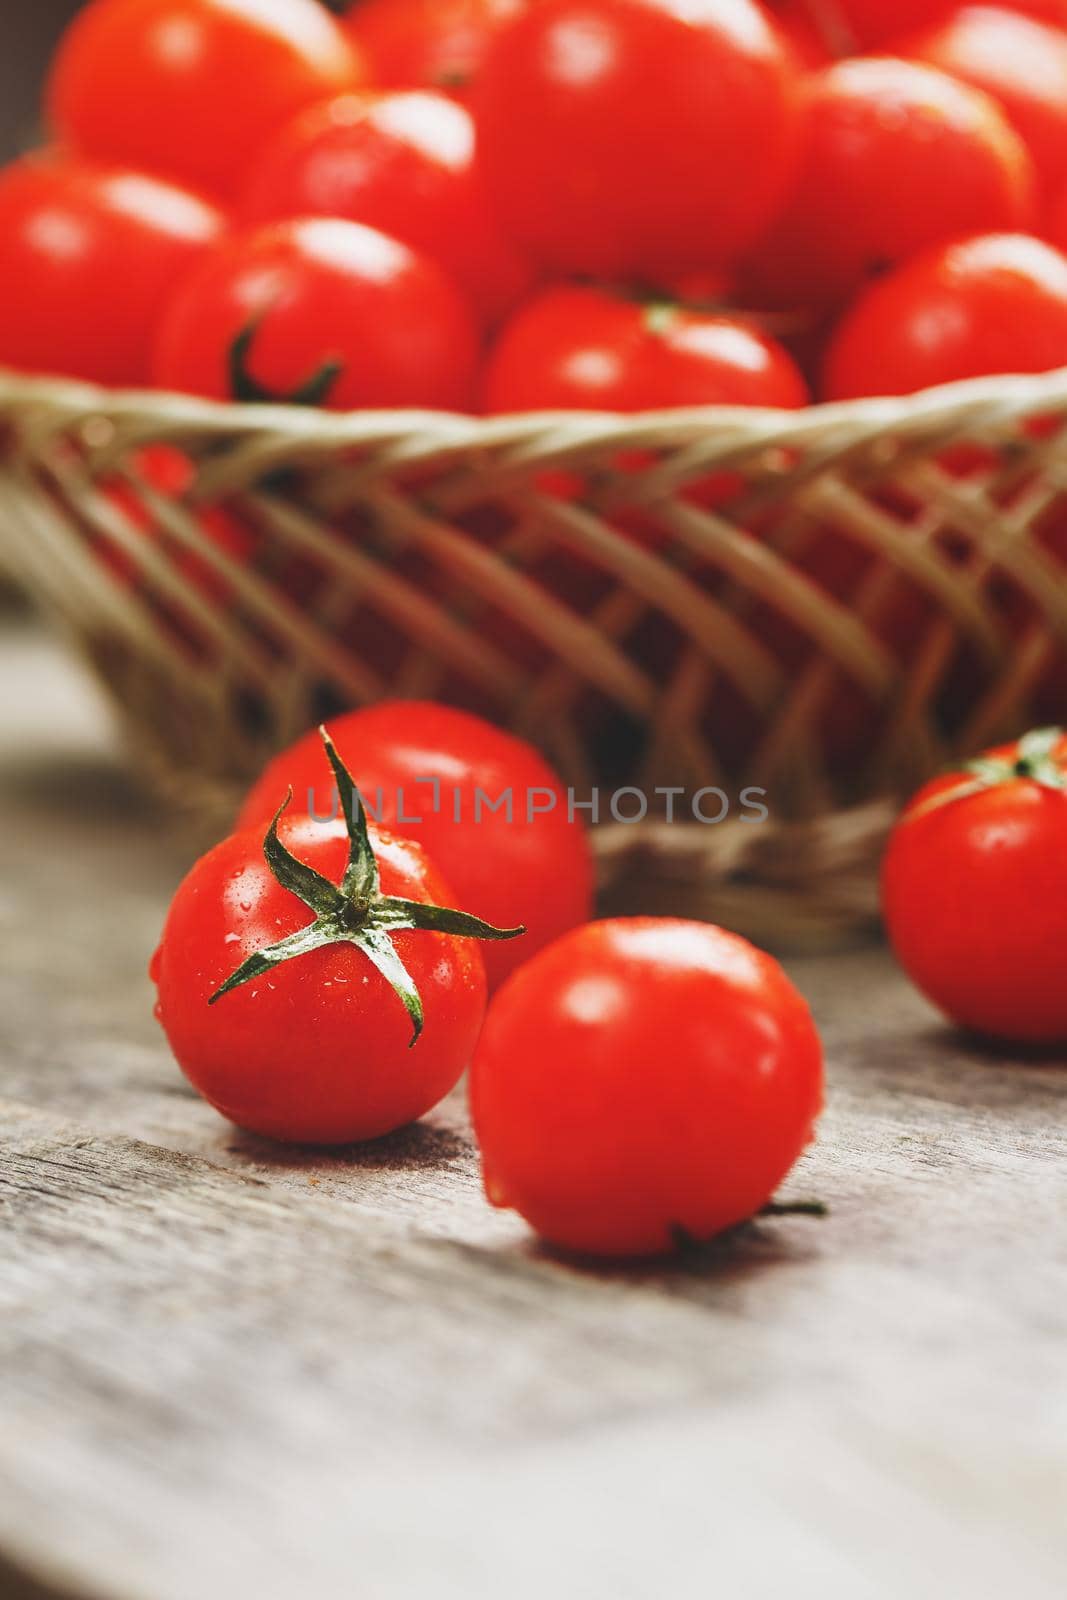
(246, 387)
(354, 911)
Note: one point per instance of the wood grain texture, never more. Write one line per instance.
(231, 1371)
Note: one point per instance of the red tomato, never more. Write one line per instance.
(88, 258)
(1021, 63)
(432, 44)
(996, 303)
(974, 889)
(532, 867)
(896, 157)
(192, 88)
(403, 163)
(321, 310)
(644, 1079)
(588, 348)
(637, 137)
(315, 1045)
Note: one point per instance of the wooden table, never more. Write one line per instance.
(229, 1370)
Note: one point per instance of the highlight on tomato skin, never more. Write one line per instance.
(191, 89)
(642, 1080)
(974, 891)
(668, 144)
(71, 233)
(403, 163)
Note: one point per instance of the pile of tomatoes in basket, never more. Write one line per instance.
(505, 205)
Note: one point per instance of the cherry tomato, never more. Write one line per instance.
(314, 985)
(432, 44)
(974, 889)
(642, 1080)
(525, 863)
(995, 303)
(896, 157)
(403, 163)
(591, 349)
(88, 258)
(1021, 63)
(192, 88)
(319, 311)
(637, 137)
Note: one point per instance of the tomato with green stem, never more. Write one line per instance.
(641, 1082)
(319, 311)
(974, 890)
(192, 88)
(314, 986)
(594, 349)
(486, 806)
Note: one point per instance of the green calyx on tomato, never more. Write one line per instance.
(354, 911)
(1035, 759)
(244, 386)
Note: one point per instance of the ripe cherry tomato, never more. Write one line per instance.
(192, 88)
(432, 44)
(895, 157)
(974, 889)
(313, 985)
(642, 1080)
(319, 311)
(637, 137)
(591, 349)
(529, 864)
(1021, 63)
(403, 163)
(996, 303)
(88, 258)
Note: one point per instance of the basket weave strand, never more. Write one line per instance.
(691, 598)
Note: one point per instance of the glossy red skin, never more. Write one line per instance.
(593, 350)
(89, 257)
(975, 899)
(1021, 63)
(537, 874)
(403, 163)
(319, 1050)
(643, 1075)
(997, 303)
(896, 157)
(621, 140)
(322, 289)
(432, 44)
(193, 88)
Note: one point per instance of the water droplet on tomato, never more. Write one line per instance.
(155, 963)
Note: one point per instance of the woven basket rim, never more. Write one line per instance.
(972, 403)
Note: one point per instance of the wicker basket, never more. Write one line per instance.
(825, 604)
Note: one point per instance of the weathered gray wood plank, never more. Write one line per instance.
(226, 1369)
